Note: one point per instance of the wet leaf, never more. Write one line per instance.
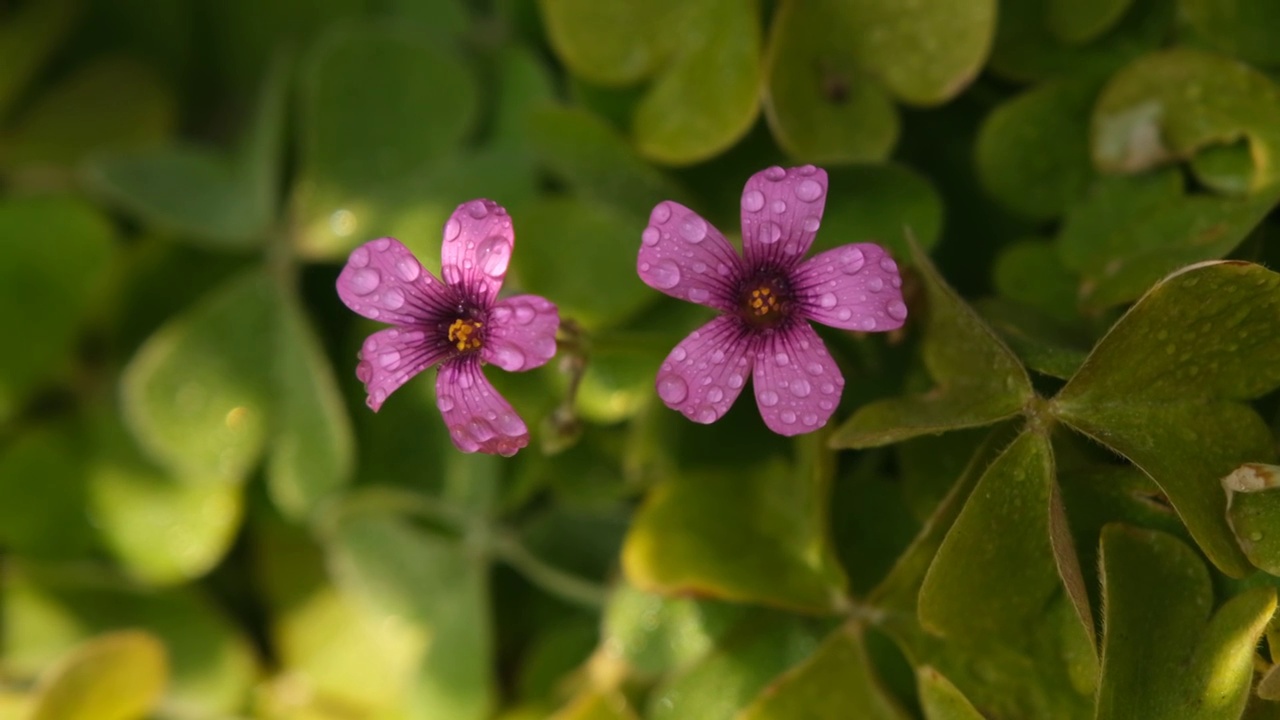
(614, 43)
(821, 104)
(197, 394)
(1166, 654)
(979, 380)
(1253, 511)
(965, 595)
(1169, 105)
(652, 635)
(837, 681)
(1031, 273)
(768, 542)
(1163, 388)
(116, 676)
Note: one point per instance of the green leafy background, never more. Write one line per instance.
(1053, 494)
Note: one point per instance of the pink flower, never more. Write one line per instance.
(766, 300)
(455, 324)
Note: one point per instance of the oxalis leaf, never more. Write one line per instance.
(116, 676)
(1253, 511)
(754, 536)
(1164, 653)
(1165, 388)
(979, 380)
(702, 56)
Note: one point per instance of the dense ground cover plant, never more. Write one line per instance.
(1046, 491)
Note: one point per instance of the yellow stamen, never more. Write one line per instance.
(763, 302)
(465, 334)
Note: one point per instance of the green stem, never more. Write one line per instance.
(551, 579)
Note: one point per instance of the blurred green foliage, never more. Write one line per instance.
(1019, 511)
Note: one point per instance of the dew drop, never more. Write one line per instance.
(801, 388)
(888, 265)
(852, 260)
(661, 213)
(768, 398)
(723, 269)
(699, 267)
(478, 209)
(665, 274)
(525, 314)
(408, 268)
(788, 417)
(770, 233)
(445, 403)
(706, 415)
(717, 356)
(381, 244)
(650, 236)
(752, 200)
(679, 354)
(814, 368)
(693, 229)
(699, 295)
(775, 173)
(868, 324)
(778, 207)
(672, 389)
(781, 358)
(808, 190)
(393, 299)
(844, 314)
(811, 223)
(735, 381)
(452, 230)
(365, 281)
(508, 357)
(493, 255)
(827, 300)
(389, 358)
(810, 419)
(359, 257)
(875, 284)
(715, 394)
(897, 310)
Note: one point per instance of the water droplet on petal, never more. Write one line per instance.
(800, 388)
(814, 368)
(508, 357)
(493, 255)
(445, 403)
(778, 207)
(868, 324)
(679, 354)
(811, 224)
(381, 244)
(770, 233)
(717, 356)
(768, 398)
(808, 190)
(827, 300)
(723, 269)
(781, 358)
(524, 314)
(672, 389)
(393, 299)
(852, 260)
(359, 257)
(810, 419)
(365, 281)
(715, 394)
(775, 173)
(844, 314)
(665, 274)
(699, 295)
(699, 267)
(389, 358)
(787, 417)
(408, 269)
(650, 236)
(661, 213)
(897, 310)
(888, 265)
(752, 200)
(478, 209)
(875, 284)
(736, 381)
(452, 230)
(693, 229)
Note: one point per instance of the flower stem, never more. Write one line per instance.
(551, 579)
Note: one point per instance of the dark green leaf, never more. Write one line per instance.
(1240, 28)
(1164, 654)
(1253, 511)
(979, 380)
(942, 700)
(28, 36)
(1079, 21)
(1162, 389)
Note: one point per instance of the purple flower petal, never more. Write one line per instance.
(478, 240)
(390, 357)
(383, 281)
(853, 287)
(521, 333)
(781, 212)
(704, 374)
(478, 418)
(687, 258)
(797, 383)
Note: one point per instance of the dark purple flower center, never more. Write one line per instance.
(765, 300)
